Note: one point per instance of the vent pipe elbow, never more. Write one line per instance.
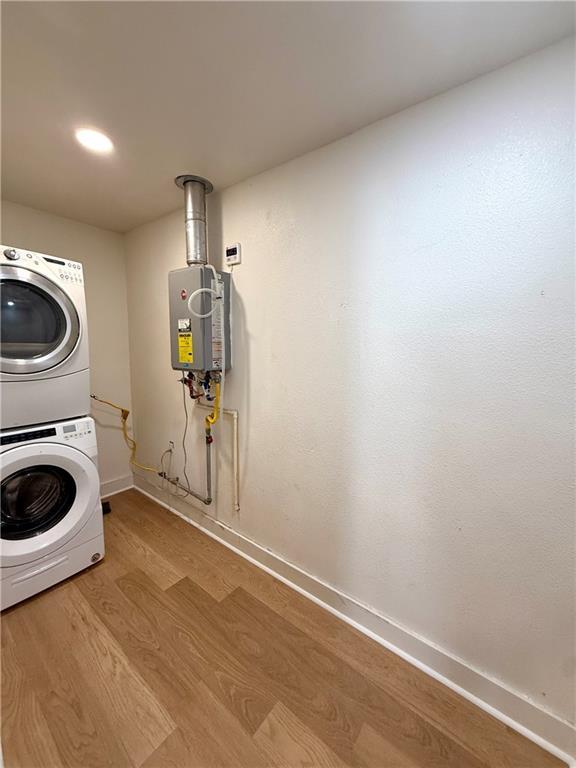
(195, 190)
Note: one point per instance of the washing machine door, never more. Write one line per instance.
(48, 493)
(39, 325)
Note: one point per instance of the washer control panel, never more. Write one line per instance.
(77, 429)
(78, 432)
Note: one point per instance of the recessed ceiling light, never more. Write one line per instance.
(95, 141)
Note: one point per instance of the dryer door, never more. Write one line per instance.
(48, 493)
(39, 326)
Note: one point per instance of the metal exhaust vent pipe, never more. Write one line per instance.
(195, 190)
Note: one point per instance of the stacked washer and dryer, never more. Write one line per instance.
(51, 515)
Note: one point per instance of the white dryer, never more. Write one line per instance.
(44, 367)
(51, 515)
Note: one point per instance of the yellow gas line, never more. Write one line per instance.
(130, 442)
(212, 418)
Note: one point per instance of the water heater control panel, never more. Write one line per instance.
(233, 254)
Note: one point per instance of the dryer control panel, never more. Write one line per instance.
(69, 272)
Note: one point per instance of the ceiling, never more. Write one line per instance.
(224, 90)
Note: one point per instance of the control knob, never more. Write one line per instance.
(11, 254)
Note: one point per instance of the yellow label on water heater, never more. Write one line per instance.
(185, 348)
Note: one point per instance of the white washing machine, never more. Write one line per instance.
(44, 367)
(51, 515)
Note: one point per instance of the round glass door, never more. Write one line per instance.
(49, 492)
(39, 326)
(35, 499)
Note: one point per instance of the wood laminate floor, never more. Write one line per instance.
(174, 652)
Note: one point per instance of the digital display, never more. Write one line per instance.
(231, 251)
(54, 261)
(69, 428)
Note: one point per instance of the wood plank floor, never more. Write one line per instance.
(176, 653)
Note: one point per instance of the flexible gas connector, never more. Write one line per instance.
(130, 442)
(212, 418)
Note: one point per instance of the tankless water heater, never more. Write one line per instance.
(196, 342)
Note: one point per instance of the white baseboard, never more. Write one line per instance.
(545, 729)
(109, 487)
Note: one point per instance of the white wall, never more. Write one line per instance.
(102, 254)
(403, 352)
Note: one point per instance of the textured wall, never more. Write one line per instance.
(403, 353)
(102, 254)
